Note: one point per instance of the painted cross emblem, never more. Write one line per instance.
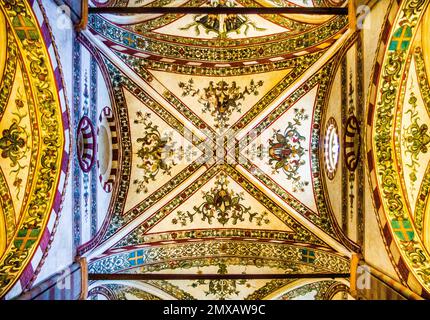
(26, 238)
(308, 256)
(401, 39)
(130, 39)
(24, 28)
(403, 229)
(136, 258)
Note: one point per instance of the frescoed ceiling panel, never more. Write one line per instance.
(151, 136)
(399, 145)
(281, 151)
(315, 290)
(33, 140)
(3, 39)
(332, 148)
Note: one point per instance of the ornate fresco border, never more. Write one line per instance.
(138, 236)
(409, 257)
(423, 80)
(370, 106)
(142, 65)
(51, 229)
(41, 215)
(120, 291)
(76, 170)
(194, 254)
(309, 42)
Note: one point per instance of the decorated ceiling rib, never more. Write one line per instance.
(204, 39)
(218, 124)
(33, 136)
(243, 289)
(398, 141)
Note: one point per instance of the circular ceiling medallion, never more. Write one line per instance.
(331, 148)
(352, 143)
(107, 149)
(86, 144)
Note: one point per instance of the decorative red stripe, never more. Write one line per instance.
(370, 114)
(403, 269)
(26, 275)
(387, 234)
(370, 160)
(57, 202)
(376, 74)
(376, 198)
(45, 240)
(115, 154)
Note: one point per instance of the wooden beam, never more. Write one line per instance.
(82, 25)
(352, 15)
(355, 259)
(184, 276)
(219, 10)
(84, 277)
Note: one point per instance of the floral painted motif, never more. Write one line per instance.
(14, 143)
(156, 152)
(221, 288)
(416, 138)
(222, 204)
(222, 24)
(286, 151)
(221, 99)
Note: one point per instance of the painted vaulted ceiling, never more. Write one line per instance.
(218, 128)
(398, 141)
(216, 148)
